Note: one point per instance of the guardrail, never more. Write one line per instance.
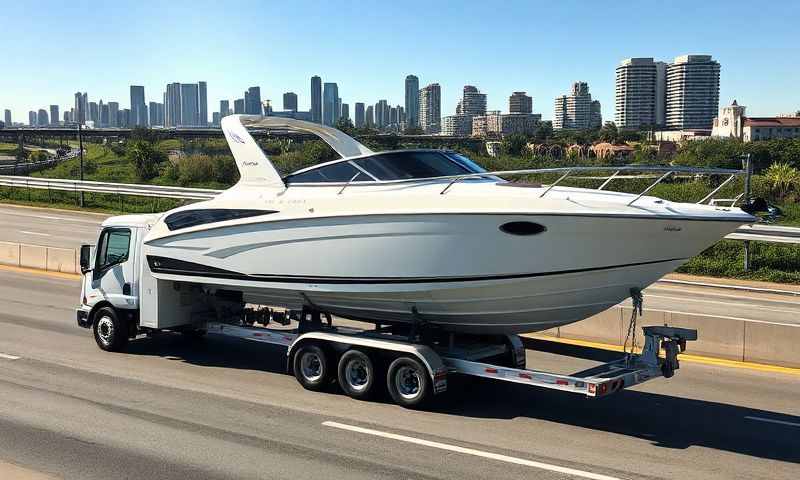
(106, 187)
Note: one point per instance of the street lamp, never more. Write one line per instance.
(80, 146)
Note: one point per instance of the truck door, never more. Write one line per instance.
(113, 275)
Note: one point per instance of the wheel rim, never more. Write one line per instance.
(105, 330)
(408, 382)
(356, 373)
(311, 366)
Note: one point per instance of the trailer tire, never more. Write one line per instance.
(110, 330)
(408, 382)
(356, 374)
(310, 365)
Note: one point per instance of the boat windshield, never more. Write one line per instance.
(387, 166)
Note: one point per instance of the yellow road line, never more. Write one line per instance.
(761, 367)
(36, 271)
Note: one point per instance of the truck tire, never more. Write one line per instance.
(356, 374)
(110, 331)
(408, 382)
(310, 365)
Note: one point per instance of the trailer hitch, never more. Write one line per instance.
(672, 340)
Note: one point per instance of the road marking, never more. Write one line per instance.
(727, 304)
(36, 271)
(471, 451)
(34, 233)
(9, 357)
(769, 420)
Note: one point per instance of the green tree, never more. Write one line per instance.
(544, 132)
(609, 133)
(782, 178)
(514, 144)
(145, 158)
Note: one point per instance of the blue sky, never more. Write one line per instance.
(57, 48)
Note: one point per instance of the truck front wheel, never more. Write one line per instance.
(110, 331)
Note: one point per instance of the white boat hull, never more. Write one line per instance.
(459, 271)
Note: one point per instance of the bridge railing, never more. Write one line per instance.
(161, 191)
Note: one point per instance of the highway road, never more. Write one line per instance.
(53, 228)
(221, 408)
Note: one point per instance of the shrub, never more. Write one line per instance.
(145, 158)
(782, 178)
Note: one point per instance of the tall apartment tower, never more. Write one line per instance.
(369, 119)
(290, 101)
(640, 93)
(430, 108)
(41, 118)
(138, 107)
(238, 106)
(316, 99)
(202, 93)
(412, 101)
(252, 101)
(359, 119)
(113, 114)
(172, 106)
(190, 108)
(7, 117)
(330, 96)
(224, 108)
(81, 107)
(520, 102)
(575, 111)
(345, 114)
(692, 92)
(54, 116)
(473, 102)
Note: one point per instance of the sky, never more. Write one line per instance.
(58, 48)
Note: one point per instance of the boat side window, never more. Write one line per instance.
(341, 172)
(192, 218)
(410, 164)
(114, 247)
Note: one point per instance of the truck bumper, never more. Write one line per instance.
(82, 313)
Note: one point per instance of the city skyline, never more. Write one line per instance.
(752, 72)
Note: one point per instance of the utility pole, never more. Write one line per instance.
(80, 146)
(748, 169)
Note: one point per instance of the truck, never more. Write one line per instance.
(121, 300)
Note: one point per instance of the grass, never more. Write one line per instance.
(769, 262)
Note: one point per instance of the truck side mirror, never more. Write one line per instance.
(86, 256)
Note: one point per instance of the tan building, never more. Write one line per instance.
(732, 123)
(495, 124)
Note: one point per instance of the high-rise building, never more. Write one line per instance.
(330, 96)
(458, 125)
(382, 114)
(54, 116)
(224, 108)
(640, 93)
(7, 117)
(202, 92)
(190, 108)
(692, 92)
(215, 119)
(472, 103)
(412, 101)
(359, 120)
(345, 112)
(125, 120)
(519, 102)
(369, 119)
(113, 114)
(290, 101)
(316, 99)
(81, 107)
(238, 106)
(42, 120)
(172, 105)
(94, 113)
(574, 111)
(32, 118)
(138, 115)
(252, 101)
(156, 111)
(68, 116)
(105, 113)
(430, 108)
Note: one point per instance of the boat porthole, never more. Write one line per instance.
(522, 228)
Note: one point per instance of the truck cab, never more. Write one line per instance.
(111, 280)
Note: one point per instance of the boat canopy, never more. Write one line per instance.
(254, 166)
(388, 166)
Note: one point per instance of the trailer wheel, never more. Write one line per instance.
(310, 367)
(408, 382)
(110, 331)
(356, 374)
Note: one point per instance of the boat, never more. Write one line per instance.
(427, 236)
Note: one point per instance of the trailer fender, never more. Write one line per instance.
(432, 361)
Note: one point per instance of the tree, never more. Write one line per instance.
(413, 131)
(544, 132)
(609, 133)
(346, 126)
(782, 178)
(514, 144)
(145, 158)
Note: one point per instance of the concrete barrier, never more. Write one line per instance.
(33, 256)
(772, 343)
(9, 254)
(605, 327)
(61, 260)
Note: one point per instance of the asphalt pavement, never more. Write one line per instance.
(223, 408)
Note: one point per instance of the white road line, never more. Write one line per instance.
(51, 217)
(727, 304)
(9, 357)
(769, 420)
(34, 233)
(471, 451)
